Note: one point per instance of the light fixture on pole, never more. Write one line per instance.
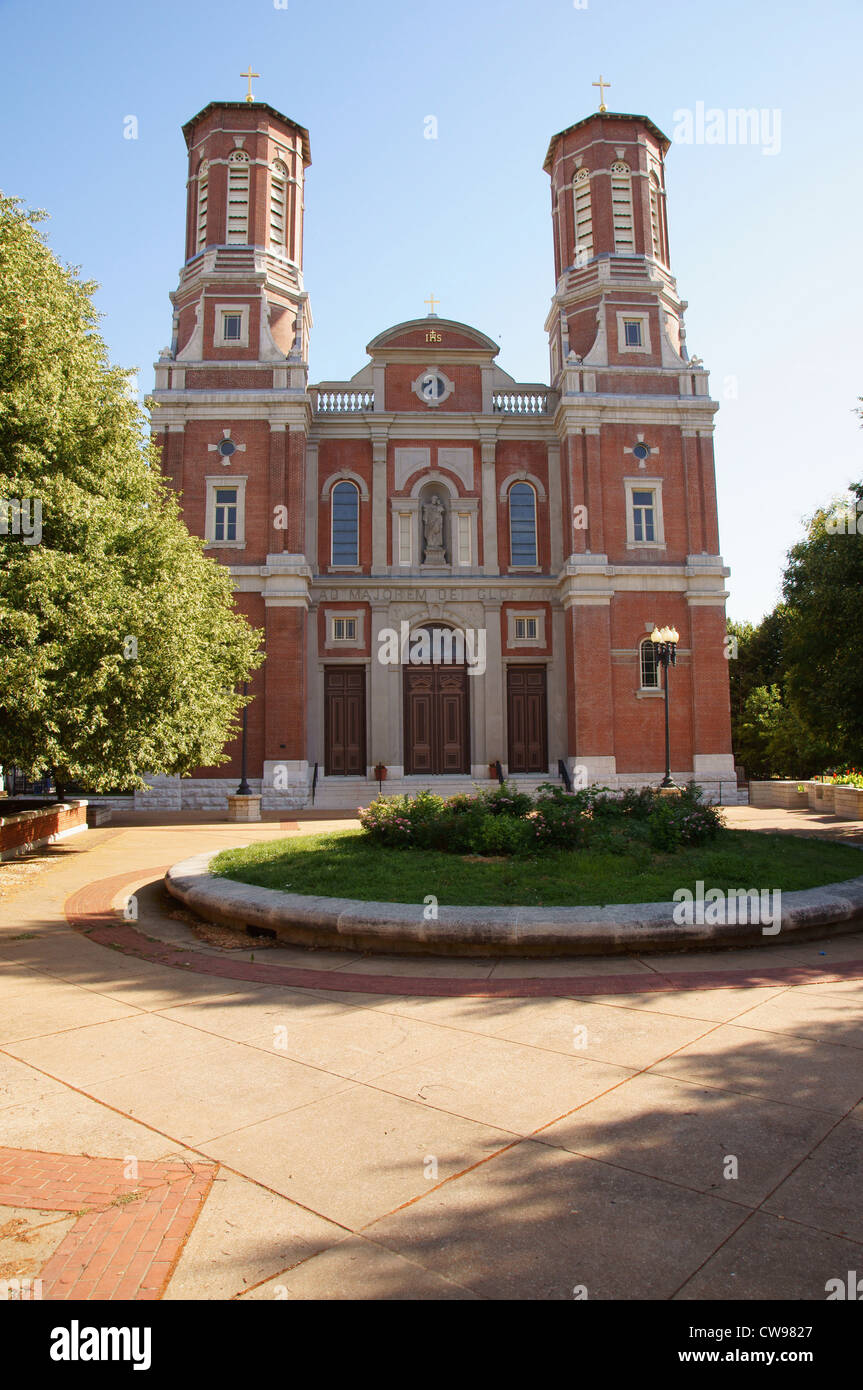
(665, 640)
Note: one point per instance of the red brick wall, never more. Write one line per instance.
(29, 827)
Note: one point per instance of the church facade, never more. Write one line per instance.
(452, 569)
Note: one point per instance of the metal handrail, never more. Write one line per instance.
(499, 770)
(563, 774)
(314, 782)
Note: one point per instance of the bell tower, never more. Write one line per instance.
(244, 238)
(232, 409)
(635, 423)
(610, 233)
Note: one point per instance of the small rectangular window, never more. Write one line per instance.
(643, 516)
(232, 327)
(632, 332)
(344, 629)
(525, 629)
(225, 528)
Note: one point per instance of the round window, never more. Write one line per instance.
(227, 447)
(641, 451)
(432, 386)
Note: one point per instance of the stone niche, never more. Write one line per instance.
(434, 519)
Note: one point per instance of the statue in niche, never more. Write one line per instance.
(433, 523)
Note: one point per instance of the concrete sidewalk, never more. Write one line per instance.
(266, 1141)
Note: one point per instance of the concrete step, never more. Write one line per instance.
(348, 793)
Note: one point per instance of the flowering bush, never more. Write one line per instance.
(681, 821)
(388, 820)
(505, 821)
(505, 801)
(560, 818)
(850, 777)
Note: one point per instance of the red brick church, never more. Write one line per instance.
(452, 568)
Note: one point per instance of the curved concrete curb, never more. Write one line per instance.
(483, 931)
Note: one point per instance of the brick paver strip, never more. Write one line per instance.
(89, 911)
(128, 1240)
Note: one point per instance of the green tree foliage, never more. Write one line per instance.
(120, 650)
(824, 592)
(772, 740)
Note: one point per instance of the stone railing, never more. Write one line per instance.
(335, 402)
(520, 402)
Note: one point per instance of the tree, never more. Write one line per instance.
(120, 650)
(771, 739)
(823, 587)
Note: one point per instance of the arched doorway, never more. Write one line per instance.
(436, 703)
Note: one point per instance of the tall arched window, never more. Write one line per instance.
(522, 524)
(649, 665)
(201, 209)
(583, 217)
(278, 187)
(656, 218)
(238, 199)
(621, 208)
(345, 509)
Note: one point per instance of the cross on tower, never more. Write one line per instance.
(601, 84)
(431, 302)
(251, 74)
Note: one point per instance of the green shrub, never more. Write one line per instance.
(676, 821)
(506, 821)
(506, 801)
(501, 834)
(560, 819)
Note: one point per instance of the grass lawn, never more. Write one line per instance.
(346, 864)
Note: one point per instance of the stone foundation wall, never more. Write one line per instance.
(211, 794)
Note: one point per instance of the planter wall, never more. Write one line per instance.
(31, 829)
(821, 796)
(787, 795)
(848, 802)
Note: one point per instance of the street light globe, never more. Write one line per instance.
(673, 635)
(656, 635)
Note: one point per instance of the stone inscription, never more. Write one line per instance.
(435, 595)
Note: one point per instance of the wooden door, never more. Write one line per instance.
(527, 719)
(437, 738)
(345, 721)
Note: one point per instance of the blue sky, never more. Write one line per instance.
(765, 247)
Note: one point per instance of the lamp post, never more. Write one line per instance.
(665, 640)
(244, 789)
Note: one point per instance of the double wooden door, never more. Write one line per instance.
(437, 731)
(527, 719)
(345, 721)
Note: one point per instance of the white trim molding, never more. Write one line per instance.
(225, 481)
(653, 485)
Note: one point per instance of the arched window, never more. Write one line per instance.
(345, 509)
(583, 217)
(621, 208)
(278, 187)
(238, 199)
(656, 218)
(201, 210)
(522, 524)
(649, 666)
